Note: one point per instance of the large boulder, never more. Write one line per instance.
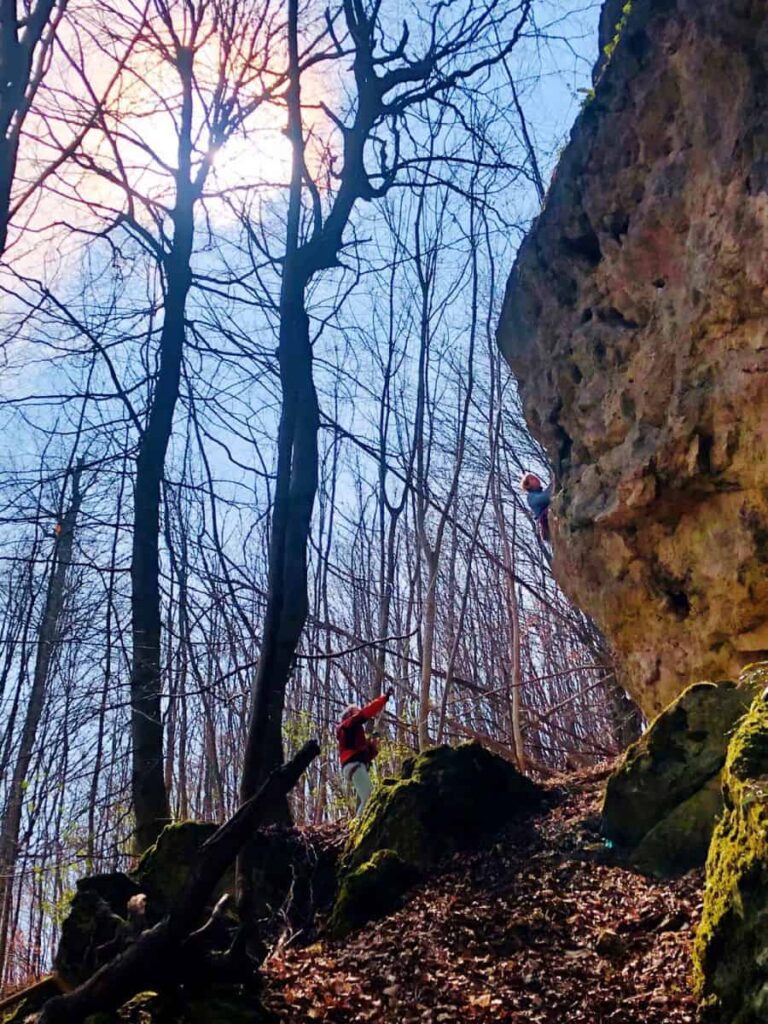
(97, 927)
(447, 799)
(98, 911)
(295, 872)
(662, 801)
(635, 321)
(731, 949)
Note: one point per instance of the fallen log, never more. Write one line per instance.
(156, 961)
(50, 985)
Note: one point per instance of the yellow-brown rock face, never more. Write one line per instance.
(636, 320)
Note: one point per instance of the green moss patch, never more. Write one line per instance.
(165, 867)
(663, 800)
(371, 891)
(731, 949)
(447, 799)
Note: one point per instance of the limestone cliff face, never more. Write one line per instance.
(636, 320)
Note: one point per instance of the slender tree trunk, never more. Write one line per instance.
(429, 617)
(150, 798)
(47, 639)
(287, 601)
(297, 474)
(513, 626)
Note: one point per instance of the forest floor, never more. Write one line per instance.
(536, 928)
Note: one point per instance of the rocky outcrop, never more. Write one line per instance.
(731, 950)
(293, 872)
(447, 799)
(636, 321)
(663, 800)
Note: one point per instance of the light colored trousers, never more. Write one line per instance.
(357, 773)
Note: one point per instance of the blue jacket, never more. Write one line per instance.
(539, 501)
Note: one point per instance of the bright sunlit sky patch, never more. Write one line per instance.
(138, 151)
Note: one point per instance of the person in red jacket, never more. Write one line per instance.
(356, 750)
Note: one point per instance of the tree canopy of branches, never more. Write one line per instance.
(261, 453)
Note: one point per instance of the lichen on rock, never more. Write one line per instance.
(731, 949)
(663, 800)
(447, 798)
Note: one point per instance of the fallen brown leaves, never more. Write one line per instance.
(535, 929)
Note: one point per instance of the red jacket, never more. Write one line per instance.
(354, 745)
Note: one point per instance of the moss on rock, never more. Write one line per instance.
(165, 867)
(662, 801)
(371, 890)
(95, 914)
(731, 948)
(680, 840)
(447, 799)
(99, 904)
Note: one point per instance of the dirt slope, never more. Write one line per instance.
(536, 929)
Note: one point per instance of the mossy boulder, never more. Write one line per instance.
(96, 912)
(447, 799)
(371, 890)
(98, 908)
(165, 867)
(662, 801)
(680, 840)
(731, 948)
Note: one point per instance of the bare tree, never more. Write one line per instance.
(47, 640)
(26, 37)
(387, 85)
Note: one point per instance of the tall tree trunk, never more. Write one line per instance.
(429, 617)
(297, 474)
(513, 624)
(287, 600)
(48, 637)
(150, 798)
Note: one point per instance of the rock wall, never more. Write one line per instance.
(636, 321)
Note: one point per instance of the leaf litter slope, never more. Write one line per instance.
(536, 929)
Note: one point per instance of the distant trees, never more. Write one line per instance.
(392, 95)
(47, 649)
(257, 294)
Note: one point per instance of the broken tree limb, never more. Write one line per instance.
(156, 960)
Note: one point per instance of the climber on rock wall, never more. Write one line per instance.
(539, 499)
(356, 750)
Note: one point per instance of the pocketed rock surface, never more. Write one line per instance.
(636, 321)
(537, 927)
